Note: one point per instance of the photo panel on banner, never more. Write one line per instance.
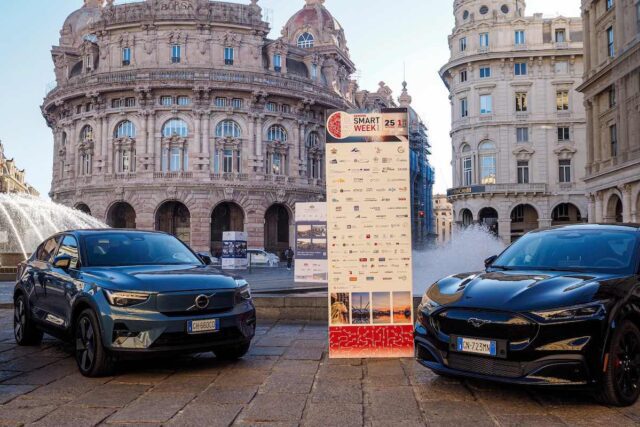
(369, 234)
(234, 250)
(311, 243)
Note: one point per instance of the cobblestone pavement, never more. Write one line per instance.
(286, 381)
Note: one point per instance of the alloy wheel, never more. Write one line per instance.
(19, 320)
(85, 344)
(627, 365)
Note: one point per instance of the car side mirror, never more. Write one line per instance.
(205, 258)
(63, 262)
(489, 261)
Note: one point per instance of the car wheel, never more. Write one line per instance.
(92, 358)
(621, 382)
(233, 352)
(24, 330)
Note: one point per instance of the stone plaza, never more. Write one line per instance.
(286, 380)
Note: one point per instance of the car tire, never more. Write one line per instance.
(621, 381)
(92, 358)
(24, 331)
(232, 352)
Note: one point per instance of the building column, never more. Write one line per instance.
(621, 118)
(544, 222)
(504, 230)
(204, 148)
(595, 123)
(587, 41)
(591, 209)
(142, 147)
(599, 213)
(626, 203)
(590, 137)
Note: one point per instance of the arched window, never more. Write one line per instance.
(313, 140)
(487, 151)
(305, 41)
(277, 133)
(228, 128)
(175, 127)
(467, 166)
(125, 129)
(86, 134)
(64, 139)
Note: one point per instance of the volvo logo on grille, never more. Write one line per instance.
(202, 302)
(477, 322)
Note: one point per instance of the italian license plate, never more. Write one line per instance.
(201, 326)
(472, 345)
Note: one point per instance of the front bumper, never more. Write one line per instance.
(139, 331)
(558, 354)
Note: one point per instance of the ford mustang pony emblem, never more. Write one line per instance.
(478, 322)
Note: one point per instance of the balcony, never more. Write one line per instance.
(172, 175)
(513, 189)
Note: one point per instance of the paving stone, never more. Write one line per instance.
(337, 391)
(76, 417)
(183, 384)
(147, 378)
(393, 403)
(267, 351)
(591, 415)
(217, 395)
(304, 353)
(67, 388)
(283, 382)
(455, 414)
(18, 352)
(440, 390)
(383, 368)
(152, 408)
(211, 415)
(111, 395)
(5, 375)
(385, 382)
(510, 402)
(260, 363)
(297, 366)
(344, 372)
(529, 421)
(333, 415)
(46, 374)
(310, 343)
(28, 363)
(274, 341)
(270, 407)
(241, 378)
(16, 414)
(10, 392)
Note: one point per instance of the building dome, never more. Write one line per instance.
(314, 26)
(77, 24)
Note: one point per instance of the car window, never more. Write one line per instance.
(124, 249)
(600, 250)
(48, 249)
(69, 247)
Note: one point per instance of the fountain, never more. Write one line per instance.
(466, 252)
(25, 221)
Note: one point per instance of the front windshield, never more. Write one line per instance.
(126, 249)
(572, 250)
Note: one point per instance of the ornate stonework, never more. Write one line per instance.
(12, 179)
(199, 122)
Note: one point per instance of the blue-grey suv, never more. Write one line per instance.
(115, 293)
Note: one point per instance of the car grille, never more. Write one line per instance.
(183, 303)
(486, 366)
(171, 339)
(488, 324)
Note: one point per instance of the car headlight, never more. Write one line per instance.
(578, 312)
(125, 299)
(428, 303)
(243, 291)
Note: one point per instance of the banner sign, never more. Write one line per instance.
(234, 250)
(311, 243)
(369, 235)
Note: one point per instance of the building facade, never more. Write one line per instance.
(611, 89)
(183, 116)
(518, 123)
(443, 213)
(12, 179)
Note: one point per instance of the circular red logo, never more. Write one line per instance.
(334, 125)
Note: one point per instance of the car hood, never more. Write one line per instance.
(525, 290)
(160, 278)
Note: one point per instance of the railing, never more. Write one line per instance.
(173, 175)
(516, 188)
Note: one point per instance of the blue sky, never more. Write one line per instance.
(382, 35)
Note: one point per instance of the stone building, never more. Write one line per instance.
(182, 116)
(611, 89)
(12, 179)
(443, 213)
(518, 123)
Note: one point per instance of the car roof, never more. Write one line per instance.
(619, 227)
(90, 231)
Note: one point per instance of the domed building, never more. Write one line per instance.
(183, 116)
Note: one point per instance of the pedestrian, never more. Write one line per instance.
(288, 254)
